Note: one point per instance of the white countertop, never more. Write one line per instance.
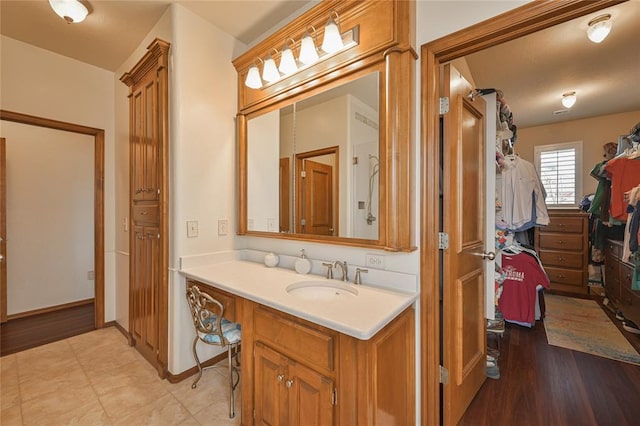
(360, 316)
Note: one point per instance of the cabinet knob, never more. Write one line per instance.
(561, 259)
(560, 276)
(280, 377)
(289, 383)
(560, 242)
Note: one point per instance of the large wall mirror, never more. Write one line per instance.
(313, 165)
(325, 153)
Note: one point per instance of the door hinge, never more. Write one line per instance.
(254, 414)
(303, 174)
(444, 105)
(443, 240)
(334, 397)
(444, 375)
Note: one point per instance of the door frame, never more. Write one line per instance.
(510, 25)
(98, 194)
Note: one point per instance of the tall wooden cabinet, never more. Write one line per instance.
(148, 181)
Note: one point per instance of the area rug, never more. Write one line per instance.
(581, 325)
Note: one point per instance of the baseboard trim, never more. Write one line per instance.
(176, 378)
(50, 309)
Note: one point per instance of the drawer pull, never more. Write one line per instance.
(560, 276)
(560, 242)
(561, 259)
(280, 377)
(144, 213)
(289, 383)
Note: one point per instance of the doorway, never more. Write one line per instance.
(97, 202)
(508, 26)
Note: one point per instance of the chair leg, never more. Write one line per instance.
(195, 355)
(232, 412)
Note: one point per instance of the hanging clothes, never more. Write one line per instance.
(625, 174)
(523, 196)
(523, 273)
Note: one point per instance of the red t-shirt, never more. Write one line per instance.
(624, 174)
(522, 275)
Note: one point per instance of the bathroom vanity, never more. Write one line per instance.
(317, 351)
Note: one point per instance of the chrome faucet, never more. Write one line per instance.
(343, 268)
(329, 267)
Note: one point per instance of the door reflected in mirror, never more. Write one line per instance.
(313, 166)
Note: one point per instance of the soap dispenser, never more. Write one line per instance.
(303, 265)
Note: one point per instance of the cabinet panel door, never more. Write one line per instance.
(310, 397)
(144, 138)
(269, 389)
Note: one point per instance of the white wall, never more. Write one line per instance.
(41, 83)
(49, 217)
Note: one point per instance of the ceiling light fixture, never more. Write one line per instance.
(71, 11)
(333, 43)
(569, 99)
(599, 28)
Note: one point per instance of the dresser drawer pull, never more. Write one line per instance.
(561, 259)
(560, 276)
(560, 242)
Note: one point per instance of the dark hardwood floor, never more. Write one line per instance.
(542, 384)
(23, 333)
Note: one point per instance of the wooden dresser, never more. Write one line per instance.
(563, 248)
(617, 282)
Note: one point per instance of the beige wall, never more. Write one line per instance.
(593, 132)
(41, 83)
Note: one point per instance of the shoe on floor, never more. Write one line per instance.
(493, 372)
(619, 315)
(630, 326)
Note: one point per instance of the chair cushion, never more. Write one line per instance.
(231, 331)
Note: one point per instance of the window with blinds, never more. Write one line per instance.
(560, 168)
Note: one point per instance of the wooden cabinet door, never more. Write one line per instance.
(144, 292)
(144, 131)
(270, 396)
(310, 397)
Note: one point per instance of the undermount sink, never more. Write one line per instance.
(321, 290)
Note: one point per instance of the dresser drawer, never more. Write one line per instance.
(146, 213)
(626, 275)
(561, 241)
(613, 248)
(562, 224)
(565, 276)
(562, 259)
(294, 339)
(630, 305)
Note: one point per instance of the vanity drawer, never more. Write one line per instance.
(561, 241)
(146, 213)
(294, 339)
(565, 224)
(561, 258)
(565, 276)
(228, 300)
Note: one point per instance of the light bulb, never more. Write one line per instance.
(287, 61)
(599, 28)
(332, 39)
(270, 71)
(569, 99)
(71, 11)
(308, 52)
(253, 78)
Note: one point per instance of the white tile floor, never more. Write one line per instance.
(98, 379)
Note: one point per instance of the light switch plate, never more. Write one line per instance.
(223, 226)
(192, 228)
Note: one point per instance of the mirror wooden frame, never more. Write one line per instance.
(386, 33)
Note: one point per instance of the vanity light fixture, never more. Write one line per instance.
(71, 11)
(287, 60)
(599, 28)
(569, 99)
(308, 50)
(270, 72)
(253, 79)
(334, 42)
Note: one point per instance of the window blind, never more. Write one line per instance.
(558, 175)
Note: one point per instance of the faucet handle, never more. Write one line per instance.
(329, 269)
(358, 279)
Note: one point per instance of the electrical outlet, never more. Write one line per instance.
(271, 225)
(250, 224)
(192, 228)
(375, 261)
(223, 226)
(91, 275)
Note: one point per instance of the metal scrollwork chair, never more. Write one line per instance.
(213, 329)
